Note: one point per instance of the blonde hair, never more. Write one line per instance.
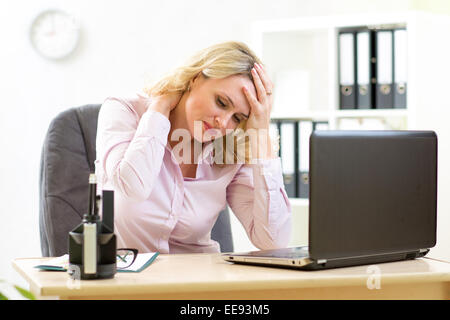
(217, 61)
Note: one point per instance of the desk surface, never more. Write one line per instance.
(207, 276)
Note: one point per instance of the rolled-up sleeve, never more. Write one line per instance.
(257, 197)
(130, 150)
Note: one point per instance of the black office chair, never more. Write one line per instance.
(67, 158)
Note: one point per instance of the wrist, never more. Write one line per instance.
(261, 146)
(158, 106)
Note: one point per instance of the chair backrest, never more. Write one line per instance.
(67, 158)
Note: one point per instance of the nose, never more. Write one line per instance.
(222, 122)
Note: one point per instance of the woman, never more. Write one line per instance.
(168, 194)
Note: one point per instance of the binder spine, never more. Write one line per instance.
(385, 58)
(400, 95)
(288, 153)
(297, 159)
(364, 63)
(400, 68)
(304, 130)
(373, 68)
(347, 70)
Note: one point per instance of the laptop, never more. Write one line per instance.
(372, 199)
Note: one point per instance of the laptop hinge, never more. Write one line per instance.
(321, 261)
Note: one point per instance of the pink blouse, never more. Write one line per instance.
(157, 209)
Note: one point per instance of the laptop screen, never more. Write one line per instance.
(371, 192)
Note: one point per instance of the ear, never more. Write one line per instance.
(195, 79)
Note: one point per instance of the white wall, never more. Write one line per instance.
(122, 44)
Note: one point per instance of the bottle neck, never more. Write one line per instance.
(89, 218)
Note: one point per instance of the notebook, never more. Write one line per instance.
(373, 199)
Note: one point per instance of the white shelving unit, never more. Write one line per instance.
(308, 46)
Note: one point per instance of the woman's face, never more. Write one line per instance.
(217, 105)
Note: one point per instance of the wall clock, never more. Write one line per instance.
(54, 34)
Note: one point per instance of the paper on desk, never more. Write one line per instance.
(143, 260)
(55, 264)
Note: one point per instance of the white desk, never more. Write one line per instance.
(207, 276)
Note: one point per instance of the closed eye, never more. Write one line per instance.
(223, 106)
(221, 103)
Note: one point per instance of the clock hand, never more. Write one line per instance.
(52, 31)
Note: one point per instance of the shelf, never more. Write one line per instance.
(299, 202)
(371, 113)
(355, 113)
(304, 115)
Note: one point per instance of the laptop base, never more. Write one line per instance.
(365, 260)
(309, 264)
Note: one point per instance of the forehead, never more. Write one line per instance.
(232, 87)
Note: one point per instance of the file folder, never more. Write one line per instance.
(288, 148)
(400, 68)
(274, 132)
(347, 95)
(364, 76)
(320, 125)
(385, 92)
(305, 128)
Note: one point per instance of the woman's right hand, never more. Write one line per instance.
(165, 103)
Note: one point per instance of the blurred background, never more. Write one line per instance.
(122, 46)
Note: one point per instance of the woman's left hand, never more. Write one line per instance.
(261, 105)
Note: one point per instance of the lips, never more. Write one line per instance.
(206, 126)
(210, 131)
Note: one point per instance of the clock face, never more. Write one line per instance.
(54, 34)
